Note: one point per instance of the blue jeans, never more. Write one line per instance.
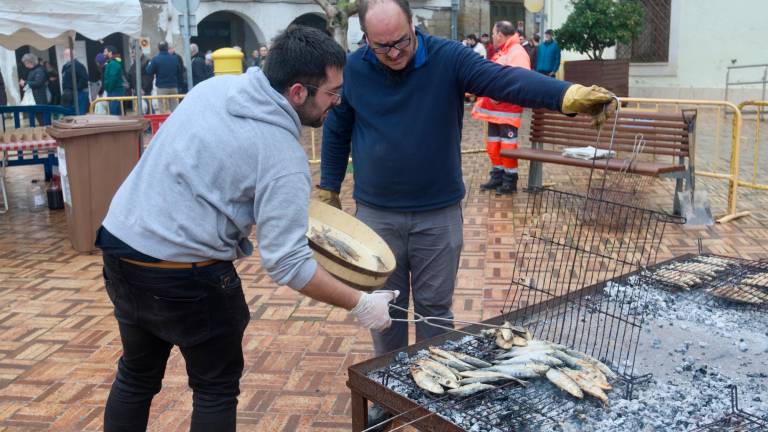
(203, 312)
(114, 106)
(427, 247)
(83, 100)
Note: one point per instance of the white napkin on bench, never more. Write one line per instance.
(588, 153)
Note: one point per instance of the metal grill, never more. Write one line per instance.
(507, 407)
(717, 280)
(737, 420)
(608, 305)
(652, 45)
(575, 242)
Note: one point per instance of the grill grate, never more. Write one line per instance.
(716, 280)
(507, 407)
(737, 420)
(574, 242)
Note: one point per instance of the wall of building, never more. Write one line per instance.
(475, 17)
(705, 37)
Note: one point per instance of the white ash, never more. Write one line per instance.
(695, 351)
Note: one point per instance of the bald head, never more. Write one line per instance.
(389, 31)
(381, 6)
(67, 54)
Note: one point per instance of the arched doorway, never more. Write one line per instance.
(227, 29)
(312, 20)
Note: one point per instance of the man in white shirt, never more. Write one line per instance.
(475, 45)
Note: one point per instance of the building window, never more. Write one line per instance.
(652, 45)
(508, 11)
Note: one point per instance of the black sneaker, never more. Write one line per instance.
(508, 185)
(494, 181)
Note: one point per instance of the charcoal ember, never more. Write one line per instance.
(700, 371)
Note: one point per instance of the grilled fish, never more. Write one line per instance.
(454, 355)
(437, 368)
(451, 362)
(569, 360)
(426, 381)
(445, 382)
(344, 250)
(533, 358)
(466, 358)
(586, 384)
(470, 377)
(564, 382)
(503, 343)
(602, 367)
(506, 331)
(593, 372)
(470, 389)
(519, 341)
(526, 370)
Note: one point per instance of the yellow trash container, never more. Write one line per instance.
(227, 61)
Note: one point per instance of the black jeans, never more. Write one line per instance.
(203, 311)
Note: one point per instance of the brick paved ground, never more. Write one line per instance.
(59, 342)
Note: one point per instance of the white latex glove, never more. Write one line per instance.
(372, 309)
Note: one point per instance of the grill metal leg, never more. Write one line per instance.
(359, 412)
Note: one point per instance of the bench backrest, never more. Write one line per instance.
(664, 134)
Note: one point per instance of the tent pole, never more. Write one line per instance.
(73, 73)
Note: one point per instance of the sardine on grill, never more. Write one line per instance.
(426, 381)
(470, 389)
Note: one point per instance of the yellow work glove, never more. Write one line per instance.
(595, 101)
(328, 197)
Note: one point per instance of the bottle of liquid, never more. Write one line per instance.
(36, 196)
(55, 195)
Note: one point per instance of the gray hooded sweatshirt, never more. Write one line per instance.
(227, 159)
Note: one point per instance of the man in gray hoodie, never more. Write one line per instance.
(227, 159)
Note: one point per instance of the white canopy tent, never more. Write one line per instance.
(44, 23)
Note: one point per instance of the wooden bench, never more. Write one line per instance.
(668, 141)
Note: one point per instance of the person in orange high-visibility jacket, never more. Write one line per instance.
(503, 118)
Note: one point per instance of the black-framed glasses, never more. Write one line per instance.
(334, 95)
(399, 45)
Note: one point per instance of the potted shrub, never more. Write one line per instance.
(593, 26)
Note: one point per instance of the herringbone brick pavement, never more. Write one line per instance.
(59, 342)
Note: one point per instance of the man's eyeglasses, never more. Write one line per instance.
(336, 96)
(399, 45)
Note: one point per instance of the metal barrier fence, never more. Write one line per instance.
(155, 103)
(752, 138)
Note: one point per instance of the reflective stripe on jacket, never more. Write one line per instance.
(487, 109)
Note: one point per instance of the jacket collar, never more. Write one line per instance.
(512, 41)
(418, 60)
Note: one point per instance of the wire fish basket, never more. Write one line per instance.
(564, 250)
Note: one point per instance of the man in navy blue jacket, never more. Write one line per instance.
(167, 70)
(401, 118)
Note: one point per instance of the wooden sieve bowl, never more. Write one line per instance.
(365, 273)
